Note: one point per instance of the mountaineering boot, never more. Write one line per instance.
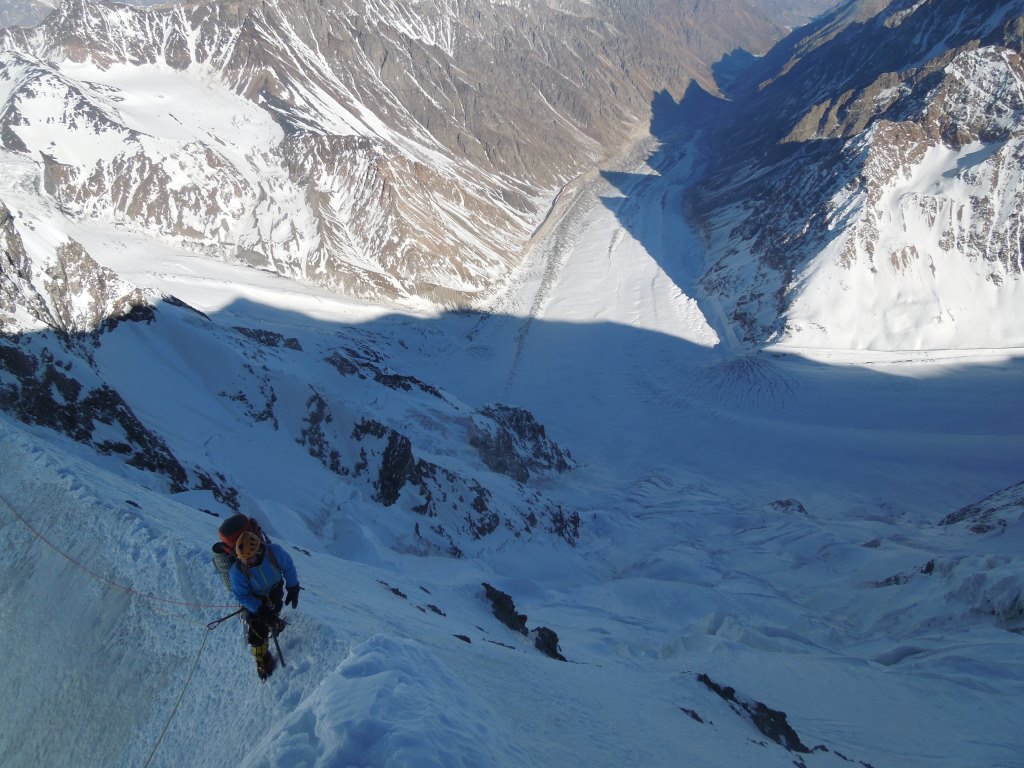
(264, 660)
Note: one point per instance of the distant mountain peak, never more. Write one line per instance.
(887, 187)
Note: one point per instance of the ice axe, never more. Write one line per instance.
(277, 646)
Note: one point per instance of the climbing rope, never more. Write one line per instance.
(206, 636)
(99, 577)
(181, 695)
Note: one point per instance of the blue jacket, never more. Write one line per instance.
(250, 585)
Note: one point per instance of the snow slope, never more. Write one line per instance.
(767, 520)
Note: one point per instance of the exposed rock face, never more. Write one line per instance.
(440, 493)
(518, 445)
(386, 150)
(44, 391)
(286, 202)
(64, 319)
(992, 514)
(70, 292)
(771, 722)
(877, 173)
(64, 292)
(397, 465)
(503, 607)
(794, 13)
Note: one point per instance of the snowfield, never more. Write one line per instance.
(768, 523)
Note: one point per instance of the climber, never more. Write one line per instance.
(223, 551)
(263, 580)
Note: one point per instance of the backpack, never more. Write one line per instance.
(224, 550)
(235, 526)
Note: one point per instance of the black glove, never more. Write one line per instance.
(292, 596)
(265, 615)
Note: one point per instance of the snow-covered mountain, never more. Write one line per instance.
(24, 13)
(382, 149)
(245, 130)
(589, 526)
(78, 380)
(371, 170)
(867, 193)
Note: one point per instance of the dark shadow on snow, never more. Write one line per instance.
(588, 384)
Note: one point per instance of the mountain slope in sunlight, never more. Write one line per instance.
(868, 193)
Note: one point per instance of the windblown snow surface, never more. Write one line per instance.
(768, 522)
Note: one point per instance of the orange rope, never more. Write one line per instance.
(104, 579)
